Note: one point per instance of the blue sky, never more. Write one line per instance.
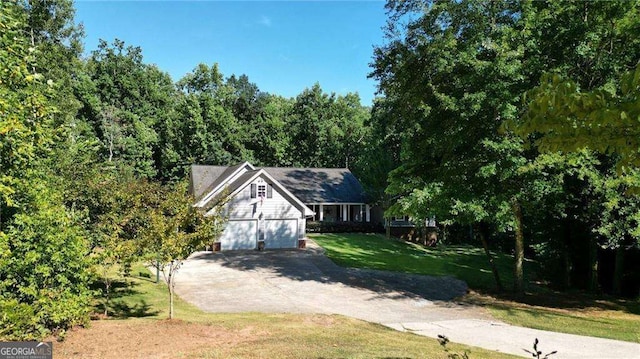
(283, 46)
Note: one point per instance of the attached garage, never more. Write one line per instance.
(259, 210)
(281, 233)
(241, 234)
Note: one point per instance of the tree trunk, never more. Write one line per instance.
(170, 285)
(618, 271)
(170, 302)
(593, 265)
(566, 254)
(482, 233)
(567, 268)
(518, 283)
(107, 286)
(388, 229)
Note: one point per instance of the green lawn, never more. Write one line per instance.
(540, 309)
(144, 304)
(374, 251)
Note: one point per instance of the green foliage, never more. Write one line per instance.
(124, 101)
(326, 130)
(569, 119)
(454, 75)
(176, 229)
(44, 267)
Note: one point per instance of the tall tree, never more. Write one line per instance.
(454, 72)
(43, 266)
(125, 101)
(204, 129)
(326, 129)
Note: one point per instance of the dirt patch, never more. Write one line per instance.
(146, 339)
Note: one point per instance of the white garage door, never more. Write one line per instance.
(239, 235)
(281, 233)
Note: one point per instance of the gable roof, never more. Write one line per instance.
(309, 185)
(320, 185)
(206, 179)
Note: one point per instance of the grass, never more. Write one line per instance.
(576, 313)
(376, 252)
(540, 308)
(138, 313)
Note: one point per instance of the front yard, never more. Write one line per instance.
(539, 308)
(137, 328)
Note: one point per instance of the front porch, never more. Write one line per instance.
(340, 212)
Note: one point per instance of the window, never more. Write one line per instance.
(262, 191)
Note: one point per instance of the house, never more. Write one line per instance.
(271, 205)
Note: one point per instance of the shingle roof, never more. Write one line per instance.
(203, 178)
(320, 185)
(310, 185)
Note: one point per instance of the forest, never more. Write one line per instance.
(516, 121)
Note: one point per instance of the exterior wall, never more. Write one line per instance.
(242, 206)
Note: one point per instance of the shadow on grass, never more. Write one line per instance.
(569, 300)
(124, 300)
(467, 263)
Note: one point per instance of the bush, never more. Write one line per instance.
(344, 227)
(44, 272)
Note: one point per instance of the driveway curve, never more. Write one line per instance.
(306, 281)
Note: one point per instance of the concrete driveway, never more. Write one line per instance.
(305, 281)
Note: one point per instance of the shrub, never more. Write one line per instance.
(344, 227)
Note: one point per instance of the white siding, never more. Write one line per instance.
(242, 206)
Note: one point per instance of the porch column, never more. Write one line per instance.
(344, 212)
(321, 213)
(361, 215)
(368, 213)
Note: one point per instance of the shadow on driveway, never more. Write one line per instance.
(304, 266)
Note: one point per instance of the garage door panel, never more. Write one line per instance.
(281, 233)
(239, 235)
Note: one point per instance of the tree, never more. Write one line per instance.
(43, 266)
(454, 72)
(204, 129)
(450, 77)
(562, 117)
(125, 102)
(326, 130)
(176, 230)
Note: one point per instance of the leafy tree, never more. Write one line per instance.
(176, 230)
(326, 130)
(568, 119)
(453, 72)
(204, 129)
(50, 28)
(44, 271)
(125, 101)
(43, 268)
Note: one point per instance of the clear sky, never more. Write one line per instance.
(283, 46)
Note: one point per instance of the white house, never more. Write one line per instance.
(271, 205)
